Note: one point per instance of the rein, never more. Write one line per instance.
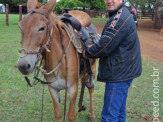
(68, 28)
(23, 52)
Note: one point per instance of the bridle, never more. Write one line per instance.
(45, 45)
(38, 52)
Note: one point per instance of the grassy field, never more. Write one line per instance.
(18, 103)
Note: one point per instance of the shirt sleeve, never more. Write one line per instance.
(109, 41)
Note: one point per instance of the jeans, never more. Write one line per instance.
(114, 108)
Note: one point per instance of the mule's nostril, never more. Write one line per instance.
(28, 66)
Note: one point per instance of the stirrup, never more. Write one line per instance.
(82, 108)
(88, 84)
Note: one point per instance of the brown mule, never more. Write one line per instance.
(37, 28)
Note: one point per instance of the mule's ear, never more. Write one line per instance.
(31, 5)
(48, 7)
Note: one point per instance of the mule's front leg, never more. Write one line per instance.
(56, 103)
(73, 94)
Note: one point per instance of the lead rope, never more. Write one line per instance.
(42, 109)
(71, 35)
(65, 102)
(69, 30)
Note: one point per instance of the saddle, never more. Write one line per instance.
(85, 29)
(73, 21)
(86, 32)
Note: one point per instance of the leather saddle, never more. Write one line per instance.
(87, 31)
(81, 22)
(70, 19)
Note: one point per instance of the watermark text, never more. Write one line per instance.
(155, 102)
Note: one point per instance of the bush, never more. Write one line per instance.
(69, 4)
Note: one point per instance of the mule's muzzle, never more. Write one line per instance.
(26, 64)
(25, 69)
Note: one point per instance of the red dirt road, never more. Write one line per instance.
(150, 42)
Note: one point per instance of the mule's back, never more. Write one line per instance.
(83, 17)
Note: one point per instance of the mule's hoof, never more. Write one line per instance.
(92, 120)
(83, 108)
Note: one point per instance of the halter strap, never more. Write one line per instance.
(35, 11)
(23, 52)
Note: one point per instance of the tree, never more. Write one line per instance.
(12, 2)
(15, 2)
(93, 4)
(142, 3)
(159, 14)
(69, 4)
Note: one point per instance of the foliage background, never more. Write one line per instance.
(93, 4)
(15, 2)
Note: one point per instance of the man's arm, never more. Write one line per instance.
(109, 40)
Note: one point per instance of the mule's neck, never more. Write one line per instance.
(53, 57)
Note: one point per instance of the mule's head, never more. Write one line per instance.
(34, 30)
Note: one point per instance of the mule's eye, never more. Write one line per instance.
(41, 29)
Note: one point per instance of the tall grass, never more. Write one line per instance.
(22, 104)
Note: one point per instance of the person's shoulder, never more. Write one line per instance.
(125, 14)
(125, 11)
(126, 18)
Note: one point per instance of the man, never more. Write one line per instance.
(120, 59)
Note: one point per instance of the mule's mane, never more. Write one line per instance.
(54, 20)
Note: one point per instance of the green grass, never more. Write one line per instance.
(99, 20)
(22, 104)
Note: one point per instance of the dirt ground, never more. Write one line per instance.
(150, 42)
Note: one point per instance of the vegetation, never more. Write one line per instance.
(12, 2)
(19, 103)
(69, 4)
(99, 4)
(15, 2)
(93, 4)
(143, 3)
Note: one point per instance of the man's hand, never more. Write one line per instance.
(90, 45)
(84, 54)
